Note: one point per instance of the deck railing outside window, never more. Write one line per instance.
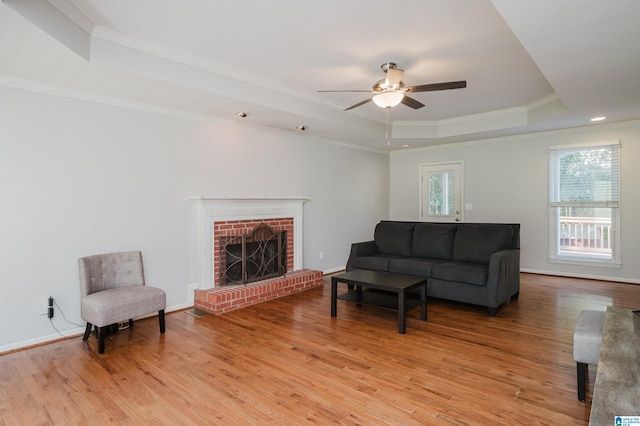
(585, 235)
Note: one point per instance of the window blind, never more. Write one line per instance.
(585, 175)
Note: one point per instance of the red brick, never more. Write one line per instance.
(223, 305)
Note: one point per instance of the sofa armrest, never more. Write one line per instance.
(365, 248)
(504, 276)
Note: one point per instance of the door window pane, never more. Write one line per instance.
(441, 194)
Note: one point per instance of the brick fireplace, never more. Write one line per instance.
(224, 216)
(235, 228)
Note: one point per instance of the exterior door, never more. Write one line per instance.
(441, 192)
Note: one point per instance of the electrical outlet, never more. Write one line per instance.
(42, 307)
(50, 310)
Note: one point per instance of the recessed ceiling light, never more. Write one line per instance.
(242, 114)
(406, 145)
(598, 118)
(302, 128)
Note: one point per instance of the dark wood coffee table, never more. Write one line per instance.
(378, 287)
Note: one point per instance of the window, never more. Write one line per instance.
(440, 193)
(584, 202)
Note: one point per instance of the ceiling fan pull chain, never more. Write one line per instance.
(388, 129)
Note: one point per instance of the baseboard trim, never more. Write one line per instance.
(69, 334)
(333, 270)
(584, 276)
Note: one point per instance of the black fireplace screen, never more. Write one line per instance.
(253, 257)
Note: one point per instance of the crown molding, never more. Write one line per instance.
(527, 136)
(65, 92)
(473, 123)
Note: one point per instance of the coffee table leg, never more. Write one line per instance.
(401, 313)
(334, 296)
(423, 302)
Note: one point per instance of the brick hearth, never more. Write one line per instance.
(223, 299)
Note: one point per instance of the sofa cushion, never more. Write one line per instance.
(413, 266)
(476, 243)
(470, 273)
(374, 263)
(433, 240)
(394, 238)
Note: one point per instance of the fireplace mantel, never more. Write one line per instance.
(214, 209)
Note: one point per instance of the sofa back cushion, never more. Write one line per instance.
(476, 243)
(394, 238)
(433, 240)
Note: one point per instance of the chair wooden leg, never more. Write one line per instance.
(130, 323)
(101, 336)
(87, 331)
(161, 320)
(582, 380)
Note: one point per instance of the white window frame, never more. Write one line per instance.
(554, 224)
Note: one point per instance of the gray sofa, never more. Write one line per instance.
(476, 263)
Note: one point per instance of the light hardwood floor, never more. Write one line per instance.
(288, 362)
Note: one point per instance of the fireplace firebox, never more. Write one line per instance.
(256, 256)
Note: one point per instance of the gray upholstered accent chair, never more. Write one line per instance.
(113, 290)
(587, 339)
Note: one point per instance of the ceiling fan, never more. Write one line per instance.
(391, 91)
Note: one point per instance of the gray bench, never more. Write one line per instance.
(587, 339)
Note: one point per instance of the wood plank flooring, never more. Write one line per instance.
(288, 362)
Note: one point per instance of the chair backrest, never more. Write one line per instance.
(110, 270)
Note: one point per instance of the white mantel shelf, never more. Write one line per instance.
(210, 209)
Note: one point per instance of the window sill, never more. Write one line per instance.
(589, 262)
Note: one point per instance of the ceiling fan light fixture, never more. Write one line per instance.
(388, 99)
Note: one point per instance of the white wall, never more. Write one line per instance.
(79, 178)
(506, 180)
